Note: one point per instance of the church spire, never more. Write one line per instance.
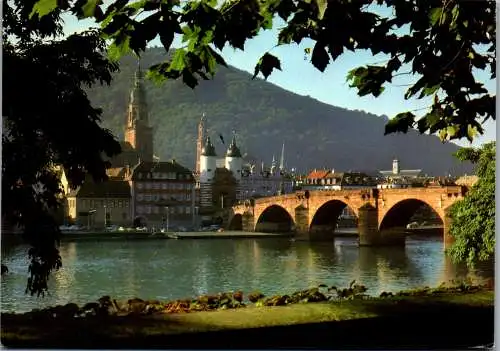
(137, 109)
(282, 159)
(138, 133)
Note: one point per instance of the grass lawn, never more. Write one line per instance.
(438, 321)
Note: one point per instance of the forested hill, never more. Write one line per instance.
(264, 116)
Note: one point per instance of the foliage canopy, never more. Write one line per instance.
(473, 225)
(442, 43)
(35, 121)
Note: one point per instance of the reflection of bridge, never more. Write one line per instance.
(313, 215)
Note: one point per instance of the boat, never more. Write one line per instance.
(173, 236)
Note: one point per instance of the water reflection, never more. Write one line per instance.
(171, 269)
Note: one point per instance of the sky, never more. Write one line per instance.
(300, 76)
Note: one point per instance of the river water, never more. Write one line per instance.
(170, 269)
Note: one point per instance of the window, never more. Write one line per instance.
(181, 210)
(140, 209)
(164, 196)
(156, 186)
(140, 197)
(139, 176)
(156, 210)
(188, 210)
(126, 204)
(147, 197)
(148, 185)
(164, 186)
(139, 185)
(120, 204)
(148, 175)
(148, 209)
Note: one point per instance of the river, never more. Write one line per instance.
(169, 269)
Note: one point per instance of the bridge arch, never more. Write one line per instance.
(236, 222)
(401, 212)
(326, 217)
(274, 218)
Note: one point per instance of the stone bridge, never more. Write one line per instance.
(382, 213)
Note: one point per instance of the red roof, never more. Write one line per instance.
(318, 174)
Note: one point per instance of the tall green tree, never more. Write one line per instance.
(47, 121)
(441, 43)
(473, 226)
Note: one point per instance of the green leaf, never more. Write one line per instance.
(119, 48)
(322, 5)
(266, 65)
(430, 90)
(138, 5)
(451, 131)
(89, 8)
(320, 57)
(454, 15)
(472, 132)
(166, 35)
(400, 123)
(178, 62)
(189, 79)
(435, 14)
(43, 7)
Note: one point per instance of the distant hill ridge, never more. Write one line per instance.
(316, 134)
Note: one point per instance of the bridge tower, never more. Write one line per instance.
(207, 171)
(234, 163)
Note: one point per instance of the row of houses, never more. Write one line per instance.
(153, 192)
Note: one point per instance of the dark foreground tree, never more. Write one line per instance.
(473, 226)
(47, 122)
(440, 43)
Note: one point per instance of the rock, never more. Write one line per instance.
(135, 306)
(238, 296)
(255, 296)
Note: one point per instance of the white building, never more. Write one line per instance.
(267, 182)
(398, 178)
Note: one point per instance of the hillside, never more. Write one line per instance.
(264, 116)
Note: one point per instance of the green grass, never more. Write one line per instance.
(171, 329)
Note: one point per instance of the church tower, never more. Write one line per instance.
(199, 143)
(137, 130)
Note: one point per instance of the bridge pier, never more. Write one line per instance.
(370, 235)
(368, 226)
(248, 222)
(302, 223)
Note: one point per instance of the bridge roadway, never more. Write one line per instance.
(382, 213)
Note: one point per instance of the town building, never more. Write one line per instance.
(400, 178)
(328, 179)
(467, 180)
(97, 205)
(269, 181)
(163, 192)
